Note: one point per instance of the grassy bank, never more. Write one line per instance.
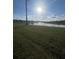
(36, 42)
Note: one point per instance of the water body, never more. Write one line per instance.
(47, 24)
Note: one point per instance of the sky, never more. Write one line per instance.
(50, 10)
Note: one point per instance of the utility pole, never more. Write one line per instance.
(26, 12)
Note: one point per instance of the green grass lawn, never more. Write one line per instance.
(37, 42)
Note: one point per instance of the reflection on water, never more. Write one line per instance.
(49, 25)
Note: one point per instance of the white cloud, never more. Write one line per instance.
(41, 18)
(19, 17)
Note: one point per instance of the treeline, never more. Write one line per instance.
(62, 22)
(23, 21)
(18, 21)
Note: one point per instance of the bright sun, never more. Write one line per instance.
(39, 9)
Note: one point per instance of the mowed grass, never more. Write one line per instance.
(37, 42)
